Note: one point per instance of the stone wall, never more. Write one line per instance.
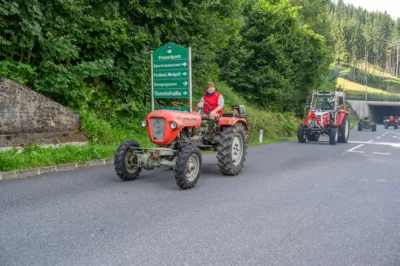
(28, 115)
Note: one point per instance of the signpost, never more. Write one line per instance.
(171, 73)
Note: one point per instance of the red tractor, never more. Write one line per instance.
(326, 116)
(180, 135)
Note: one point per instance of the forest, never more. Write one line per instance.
(94, 57)
(367, 42)
(95, 54)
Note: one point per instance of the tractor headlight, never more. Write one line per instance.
(144, 123)
(174, 125)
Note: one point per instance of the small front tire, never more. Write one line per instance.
(125, 161)
(188, 167)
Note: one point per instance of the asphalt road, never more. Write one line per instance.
(294, 204)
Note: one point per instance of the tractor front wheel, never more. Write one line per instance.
(313, 137)
(125, 160)
(188, 167)
(232, 150)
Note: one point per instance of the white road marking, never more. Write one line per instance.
(378, 137)
(394, 132)
(356, 147)
(393, 144)
(382, 153)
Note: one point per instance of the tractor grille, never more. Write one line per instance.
(319, 118)
(158, 127)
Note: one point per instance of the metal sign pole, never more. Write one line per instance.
(152, 87)
(190, 78)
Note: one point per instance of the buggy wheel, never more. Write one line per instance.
(232, 150)
(373, 127)
(344, 131)
(359, 127)
(395, 126)
(386, 126)
(333, 135)
(188, 167)
(125, 160)
(300, 134)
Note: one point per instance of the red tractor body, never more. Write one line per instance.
(326, 116)
(180, 136)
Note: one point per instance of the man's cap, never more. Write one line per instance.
(209, 84)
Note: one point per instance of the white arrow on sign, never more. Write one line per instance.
(185, 92)
(184, 73)
(185, 83)
(184, 64)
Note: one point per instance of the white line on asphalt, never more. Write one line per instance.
(370, 141)
(393, 144)
(382, 153)
(393, 132)
(378, 137)
(356, 147)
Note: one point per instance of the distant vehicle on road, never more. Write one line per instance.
(327, 115)
(391, 121)
(366, 123)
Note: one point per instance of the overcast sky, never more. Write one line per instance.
(378, 5)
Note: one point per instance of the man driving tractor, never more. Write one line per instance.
(212, 103)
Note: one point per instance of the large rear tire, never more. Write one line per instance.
(188, 167)
(301, 137)
(125, 162)
(232, 150)
(344, 131)
(333, 136)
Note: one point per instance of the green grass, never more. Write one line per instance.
(354, 78)
(104, 138)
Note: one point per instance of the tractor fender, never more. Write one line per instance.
(340, 117)
(229, 121)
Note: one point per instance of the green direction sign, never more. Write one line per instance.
(171, 72)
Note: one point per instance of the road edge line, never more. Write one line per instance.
(20, 174)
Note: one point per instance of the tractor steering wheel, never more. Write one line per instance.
(200, 108)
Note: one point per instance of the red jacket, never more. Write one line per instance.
(213, 101)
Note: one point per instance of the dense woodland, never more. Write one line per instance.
(95, 54)
(361, 36)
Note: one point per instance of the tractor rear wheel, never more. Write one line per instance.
(300, 134)
(125, 161)
(188, 167)
(333, 135)
(232, 150)
(344, 131)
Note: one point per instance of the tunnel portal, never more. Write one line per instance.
(379, 110)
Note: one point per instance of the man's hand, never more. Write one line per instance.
(199, 105)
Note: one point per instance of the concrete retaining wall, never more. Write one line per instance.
(27, 116)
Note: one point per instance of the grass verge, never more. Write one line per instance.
(104, 139)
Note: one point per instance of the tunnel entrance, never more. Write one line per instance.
(378, 111)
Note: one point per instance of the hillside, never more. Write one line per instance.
(378, 85)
